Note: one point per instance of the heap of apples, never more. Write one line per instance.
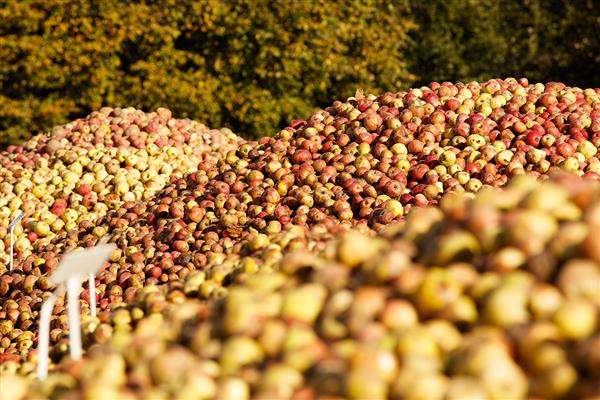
(79, 171)
(194, 210)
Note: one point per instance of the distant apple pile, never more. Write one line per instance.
(194, 210)
(81, 170)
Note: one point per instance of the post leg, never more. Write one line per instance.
(92, 288)
(12, 240)
(73, 285)
(44, 333)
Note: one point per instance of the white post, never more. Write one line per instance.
(73, 285)
(92, 288)
(44, 333)
(12, 237)
(73, 267)
(12, 240)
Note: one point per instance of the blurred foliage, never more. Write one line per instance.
(254, 66)
(250, 65)
(544, 40)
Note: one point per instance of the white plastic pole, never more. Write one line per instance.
(44, 333)
(92, 288)
(12, 236)
(73, 285)
(12, 241)
(73, 267)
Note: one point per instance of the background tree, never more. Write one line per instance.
(545, 40)
(249, 65)
(254, 66)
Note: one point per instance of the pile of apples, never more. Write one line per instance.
(194, 211)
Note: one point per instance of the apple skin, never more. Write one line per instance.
(533, 138)
(59, 207)
(84, 189)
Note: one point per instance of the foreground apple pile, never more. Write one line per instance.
(230, 279)
(491, 297)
